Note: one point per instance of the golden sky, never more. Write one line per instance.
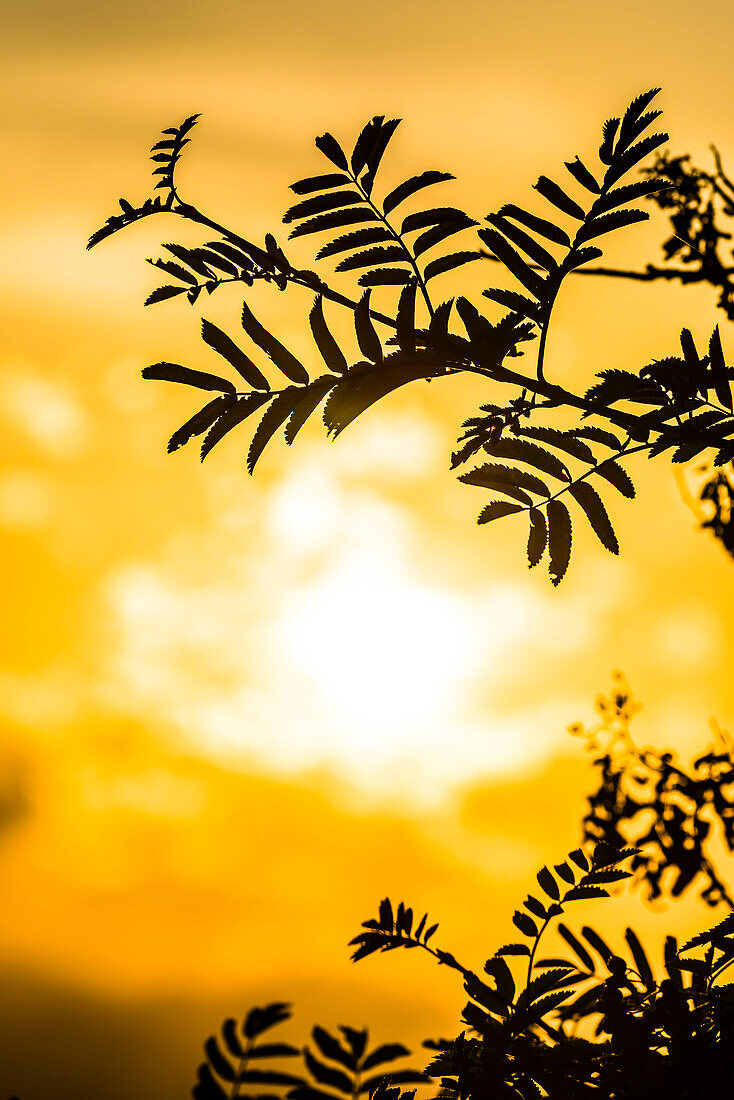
(237, 712)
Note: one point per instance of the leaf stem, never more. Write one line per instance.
(399, 240)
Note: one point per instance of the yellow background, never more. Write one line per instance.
(237, 712)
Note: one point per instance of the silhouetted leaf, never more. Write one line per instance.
(576, 946)
(177, 270)
(320, 204)
(331, 1048)
(319, 183)
(632, 156)
(405, 317)
(370, 257)
(617, 477)
(497, 509)
(403, 920)
(409, 187)
(386, 915)
(605, 223)
(425, 219)
(386, 276)
(581, 173)
(537, 253)
(231, 417)
(234, 355)
(372, 234)
(535, 907)
(718, 370)
(331, 149)
(618, 196)
(514, 262)
(357, 1039)
(174, 372)
(367, 338)
(609, 132)
(582, 893)
(199, 422)
(633, 121)
(596, 513)
(597, 943)
(638, 954)
(564, 441)
(494, 475)
(217, 1061)
(213, 260)
(207, 1087)
(537, 537)
(335, 220)
(430, 932)
(231, 1038)
(559, 540)
(162, 293)
(327, 1075)
(191, 257)
(448, 263)
(548, 884)
(259, 1020)
(579, 859)
(277, 412)
(598, 435)
(539, 225)
(283, 359)
(513, 949)
(524, 923)
(439, 233)
(523, 450)
(577, 257)
(516, 302)
(553, 193)
(376, 153)
(363, 385)
(331, 353)
(365, 142)
(388, 1052)
(565, 872)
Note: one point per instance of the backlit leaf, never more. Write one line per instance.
(559, 540)
(556, 195)
(234, 355)
(331, 149)
(537, 537)
(409, 187)
(335, 220)
(367, 338)
(174, 372)
(319, 183)
(585, 495)
(331, 353)
(283, 359)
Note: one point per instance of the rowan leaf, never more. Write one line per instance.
(585, 495)
(559, 540)
(234, 355)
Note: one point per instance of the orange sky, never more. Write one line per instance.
(237, 712)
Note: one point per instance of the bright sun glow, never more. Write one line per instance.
(386, 657)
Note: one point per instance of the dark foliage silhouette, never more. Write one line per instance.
(598, 1024)
(536, 467)
(649, 799)
(587, 1021)
(343, 1064)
